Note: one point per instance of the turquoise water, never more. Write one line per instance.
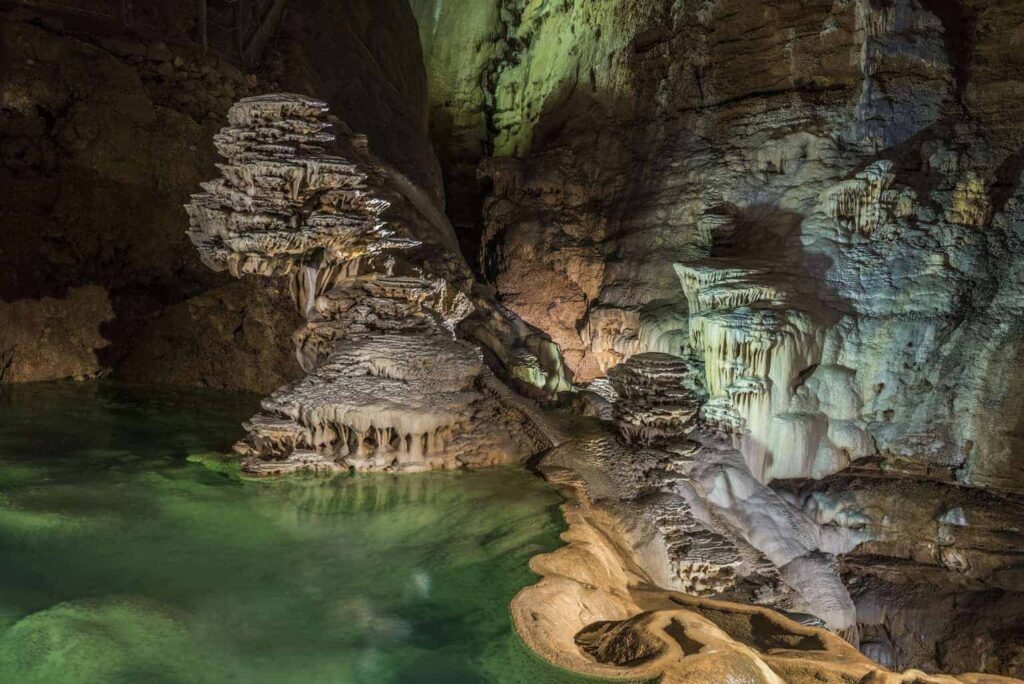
(128, 554)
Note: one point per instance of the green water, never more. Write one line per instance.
(127, 557)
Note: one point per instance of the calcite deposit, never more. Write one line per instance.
(817, 208)
(376, 274)
(597, 610)
(655, 394)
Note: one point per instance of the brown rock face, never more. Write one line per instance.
(231, 337)
(363, 59)
(100, 147)
(781, 240)
(51, 339)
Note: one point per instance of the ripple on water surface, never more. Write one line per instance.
(127, 555)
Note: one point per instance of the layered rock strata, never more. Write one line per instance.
(374, 270)
(933, 567)
(822, 202)
(694, 513)
(857, 157)
(656, 396)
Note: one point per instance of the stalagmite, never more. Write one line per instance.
(389, 386)
(657, 394)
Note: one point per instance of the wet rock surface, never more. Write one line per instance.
(598, 610)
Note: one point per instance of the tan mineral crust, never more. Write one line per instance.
(596, 611)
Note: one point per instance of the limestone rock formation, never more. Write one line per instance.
(691, 510)
(362, 57)
(778, 246)
(656, 396)
(822, 204)
(595, 609)
(924, 557)
(376, 273)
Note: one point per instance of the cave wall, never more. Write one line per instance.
(363, 58)
(842, 178)
(617, 139)
(105, 132)
(820, 202)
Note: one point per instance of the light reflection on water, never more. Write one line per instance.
(126, 555)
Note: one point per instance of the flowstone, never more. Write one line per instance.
(694, 514)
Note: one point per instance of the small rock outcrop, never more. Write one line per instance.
(375, 272)
(53, 339)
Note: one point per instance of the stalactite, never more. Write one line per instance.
(754, 343)
(866, 202)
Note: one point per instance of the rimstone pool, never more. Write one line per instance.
(130, 552)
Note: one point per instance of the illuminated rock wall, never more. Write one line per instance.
(817, 205)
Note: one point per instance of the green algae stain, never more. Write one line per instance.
(131, 551)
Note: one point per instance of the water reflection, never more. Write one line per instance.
(129, 553)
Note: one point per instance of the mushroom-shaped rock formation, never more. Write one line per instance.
(375, 270)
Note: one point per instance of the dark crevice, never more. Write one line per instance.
(958, 24)
(1007, 179)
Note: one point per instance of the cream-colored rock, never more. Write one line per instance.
(839, 185)
(375, 271)
(594, 611)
